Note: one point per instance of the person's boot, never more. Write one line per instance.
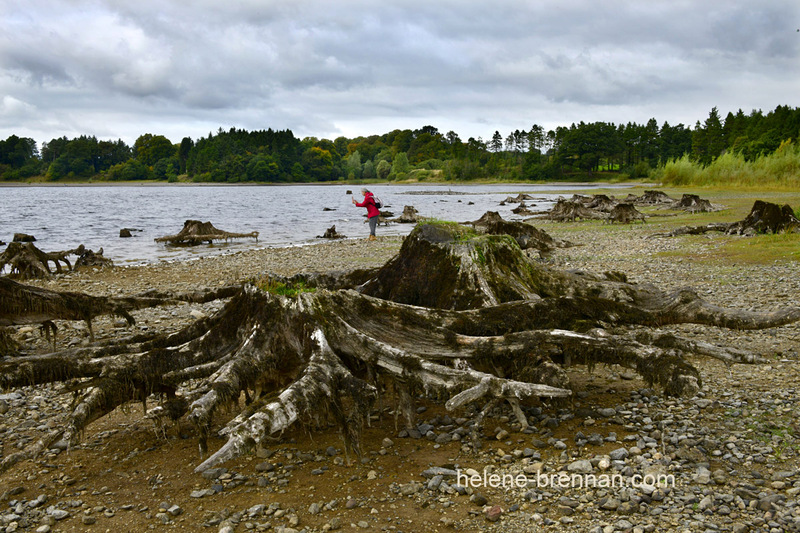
(372, 238)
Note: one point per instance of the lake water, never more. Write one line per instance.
(62, 217)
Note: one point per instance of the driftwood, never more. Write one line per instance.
(195, 232)
(26, 261)
(764, 217)
(459, 316)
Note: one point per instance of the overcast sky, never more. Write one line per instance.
(327, 68)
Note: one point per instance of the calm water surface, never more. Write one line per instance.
(62, 217)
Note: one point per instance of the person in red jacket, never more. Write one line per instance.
(372, 211)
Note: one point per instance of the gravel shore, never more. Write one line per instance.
(727, 459)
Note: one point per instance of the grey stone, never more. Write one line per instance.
(439, 471)
(478, 499)
(581, 466)
(620, 454)
(58, 514)
(175, 510)
(434, 482)
(610, 504)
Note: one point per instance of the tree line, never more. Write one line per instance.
(270, 156)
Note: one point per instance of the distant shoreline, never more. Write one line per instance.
(593, 184)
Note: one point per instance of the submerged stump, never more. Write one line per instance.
(195, 232)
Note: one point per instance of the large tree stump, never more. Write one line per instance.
(570, 210)
(650, 198)
(692, 203)
(460, 316)
(764, 217)
(625, 213)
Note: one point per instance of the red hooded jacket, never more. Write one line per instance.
(369, 203)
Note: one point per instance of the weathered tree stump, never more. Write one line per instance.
(625, 213)
(331, 233)
(518, 199)
(23, 237)
(603, 203)
(764, 217)
(522, 209)
(650, 198)
(195, 232)
(89, 258)
(571, 210)
(410, 215)
(26, 261)
(692, 203)
(485, 324)
(526, 235)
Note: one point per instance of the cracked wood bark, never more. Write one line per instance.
(322, 353)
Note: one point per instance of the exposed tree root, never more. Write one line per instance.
(764, 217)
(329, 353)
(26, 261)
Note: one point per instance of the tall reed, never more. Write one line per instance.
(780, 169)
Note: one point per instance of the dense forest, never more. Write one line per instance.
(579, 151)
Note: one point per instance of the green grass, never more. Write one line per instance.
(711, 248)
(282, 289)
(777, 171)
(460, 232)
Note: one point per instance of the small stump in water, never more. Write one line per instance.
(195, 232)
(331, 233)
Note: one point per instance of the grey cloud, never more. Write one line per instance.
(322, 67)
